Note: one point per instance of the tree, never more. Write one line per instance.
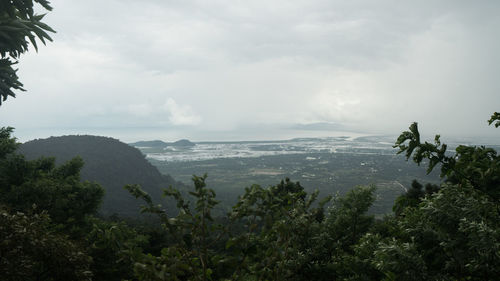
(478, 167)
(31, 250)
(452, 233)
(113, 246)
(57, 190)
(37, 241)
(279, 223)
(19, 26)
(273, 233)
(330, 250)
(193, 234)
(413, 196)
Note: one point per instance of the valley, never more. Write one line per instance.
(330, 165)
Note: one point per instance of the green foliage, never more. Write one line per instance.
(347, 220)
(8, 144)
(359, 265)
(274, 233)
(278, 223)
(471, 165)
(19, 26)
(413, 196)
(31, 250)
(435, 153)
(495, 118)
(193, 234)
(400, 261)
(451, 233)
(57, 190)
(113, 246)
(332, 251)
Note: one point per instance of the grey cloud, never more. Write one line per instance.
(370, 65)
(169, 35)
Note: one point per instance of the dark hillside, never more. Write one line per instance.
(108, 162)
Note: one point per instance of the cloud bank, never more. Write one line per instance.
(193, 67)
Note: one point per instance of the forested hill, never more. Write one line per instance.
(108, 162)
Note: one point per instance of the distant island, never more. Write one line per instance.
(162, 144)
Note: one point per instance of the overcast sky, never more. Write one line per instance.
(228, 69)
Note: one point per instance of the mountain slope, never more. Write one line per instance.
(108, 162)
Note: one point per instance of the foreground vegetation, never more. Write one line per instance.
(50, 231)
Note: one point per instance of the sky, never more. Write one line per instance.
(250, 70)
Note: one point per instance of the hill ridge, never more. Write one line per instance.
(109, 162)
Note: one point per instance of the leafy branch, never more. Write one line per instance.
(19, 26)
(477, 166)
